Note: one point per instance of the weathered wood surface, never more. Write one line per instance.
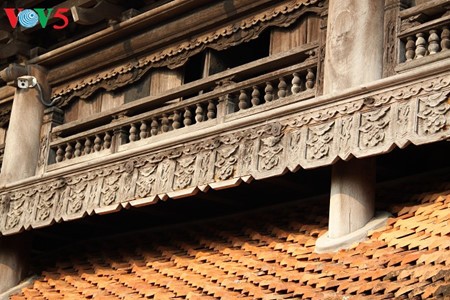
(368, 120)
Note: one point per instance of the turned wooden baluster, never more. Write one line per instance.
(255, 96)
(433, 42)
(421, 45)
(77, 149)
(296, 83)
(445, 38)
(410, 48)
(154, 125)
(243, 100)
(176, 120)
(282, 88)
(165, 123)
(69, 151)
(310, 79)
(87, 146)
(60, 154)
(199, 113)
(133, 133)
(187, 117)
(268, 92)
(97, 143)
(107, 140)
(143, 130)
(211, 110)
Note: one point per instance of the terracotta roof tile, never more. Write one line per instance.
(266, 256)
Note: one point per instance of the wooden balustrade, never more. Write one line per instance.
(243, 88)
(284, 86)
(424, 33)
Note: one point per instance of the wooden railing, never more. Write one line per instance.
(256, 84)
(424, 33)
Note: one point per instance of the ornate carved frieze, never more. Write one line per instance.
(245, 30)
(358, 126)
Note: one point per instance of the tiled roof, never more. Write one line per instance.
(267, 254)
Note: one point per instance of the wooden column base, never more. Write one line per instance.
(352, 196)
(13, 260)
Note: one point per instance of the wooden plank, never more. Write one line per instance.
(213, 64)
(436, 23)
(305, 30)
(164, 79)
(6, 93)
(137, 90)
(429, 4)
(312, 28)
(71, 112)
(111, 100)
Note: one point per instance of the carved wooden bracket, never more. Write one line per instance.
(11, 73)
(360, 126)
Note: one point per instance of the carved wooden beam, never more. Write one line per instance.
(370, 120)
(11, 73)
(104, 10)
(13, 48)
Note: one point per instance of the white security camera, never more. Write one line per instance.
(25, 82)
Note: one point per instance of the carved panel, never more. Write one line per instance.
(319, 144)
(165, 175)
(145, 183)
(295, 149)
(46, 203)
(361, 126)
(184, 172)
(433, 114)
(403, 122)
(271, 151)
(344, 135)
(373, 128)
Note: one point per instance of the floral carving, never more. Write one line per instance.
(373, 125)
(75, 196)
(184, 172)
(417, 113)
(319, 141)
(146, 180)
(16, 210)
(432, 113)
(44, 205)
(270, 152)
(110, 189)
(226, 161)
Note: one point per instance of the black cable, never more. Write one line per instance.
(41, 97)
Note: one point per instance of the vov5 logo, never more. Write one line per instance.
(29, 18)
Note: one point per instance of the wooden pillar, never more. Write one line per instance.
(22, 145)
(13, 260)
(352, 196)
(354, 55)
(20, 161)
